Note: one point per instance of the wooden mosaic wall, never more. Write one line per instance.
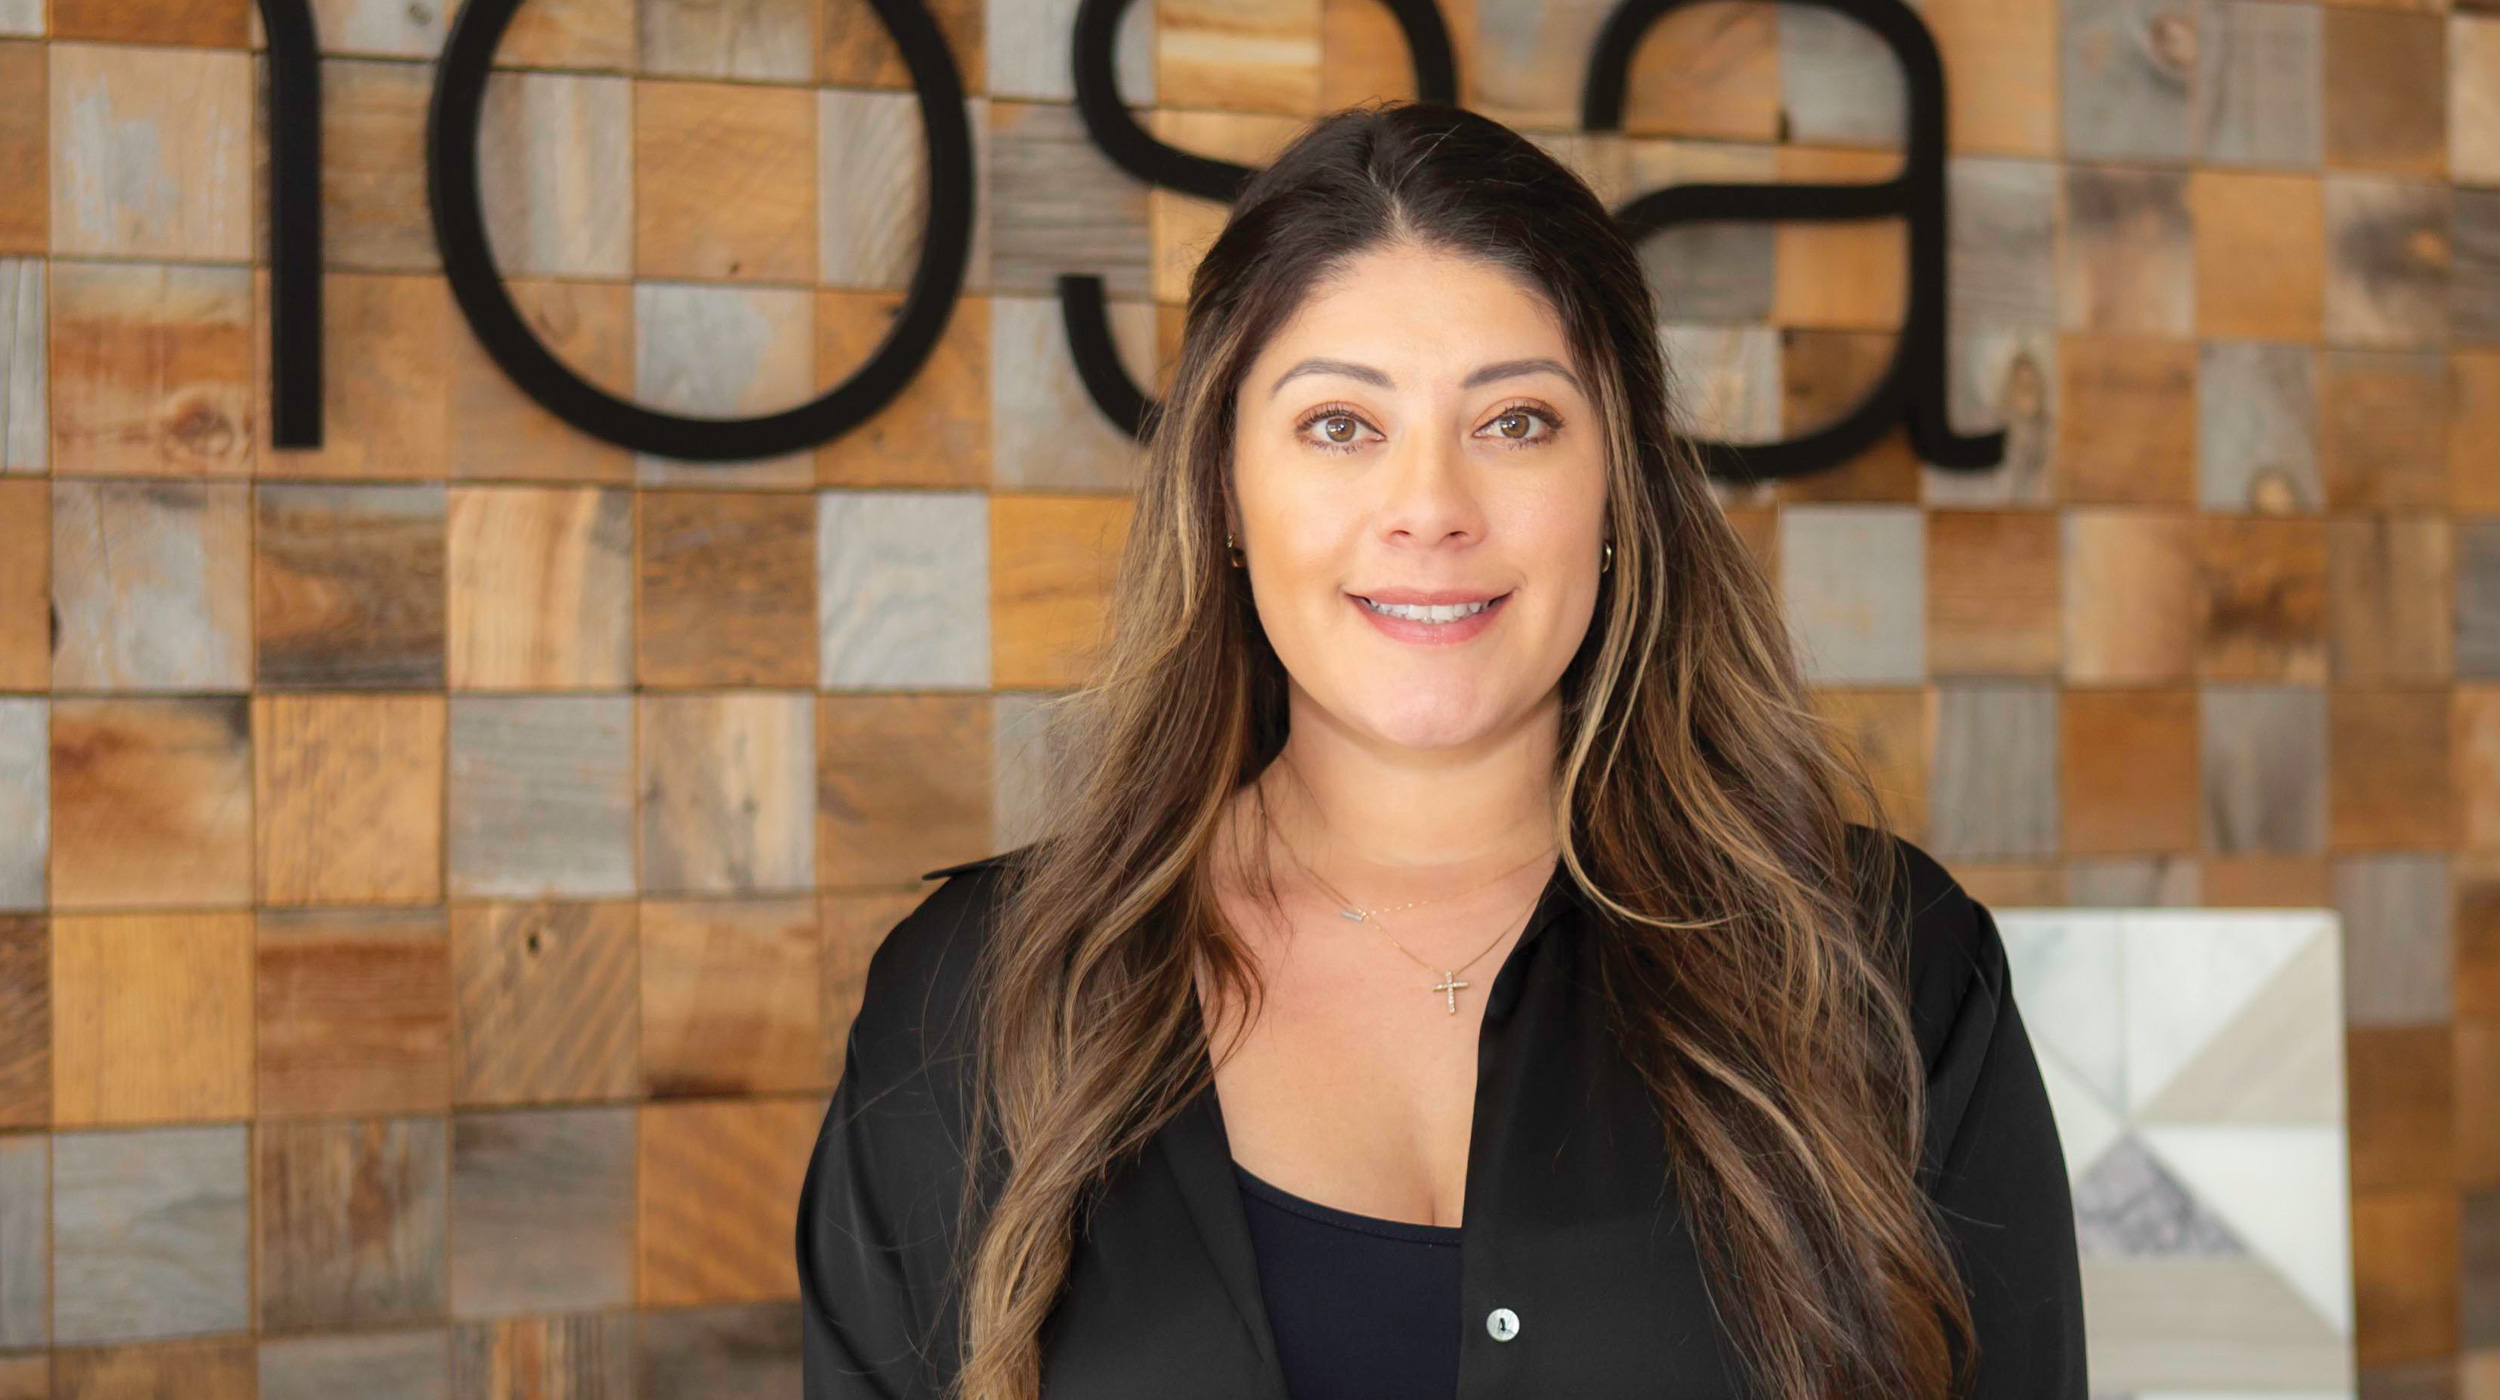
(438, 867)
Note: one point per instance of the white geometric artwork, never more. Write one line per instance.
(2194, 1060)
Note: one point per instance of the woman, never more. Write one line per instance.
(1450, 969)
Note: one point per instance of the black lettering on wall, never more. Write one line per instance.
(294, 223)
(1913, 385)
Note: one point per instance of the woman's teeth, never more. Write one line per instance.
(1447, 613)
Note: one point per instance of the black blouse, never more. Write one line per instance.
(1577, 1272)
(1363, 1308)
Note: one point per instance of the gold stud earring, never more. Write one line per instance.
(1609, 561)
(1231, 553)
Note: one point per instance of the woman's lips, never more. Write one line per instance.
(1431, 633)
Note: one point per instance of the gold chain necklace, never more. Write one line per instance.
(1449, 984)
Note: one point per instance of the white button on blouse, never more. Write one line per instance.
(1502, 1323)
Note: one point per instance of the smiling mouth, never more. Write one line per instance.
(1432, 612)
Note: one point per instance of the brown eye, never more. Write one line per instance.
(1335, 421)
(1512, 425)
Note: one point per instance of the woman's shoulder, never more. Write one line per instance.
(915, 1006)
(1955, 950)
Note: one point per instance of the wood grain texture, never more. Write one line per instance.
(1059, 205)
(2259, 69)
(733, 1349)
(727, 792)
(2474, 268)
(151, 1017)
(2401, 1085)
(2125, 81)
(2001, 268)
(1850, 275)
(1993, 790)
(2474, 98)
(542, 1213)
(211, 1368)
(25, 416)
(582, 1357)
(387, 342)
(373, 162)
(2382, 443)
(854, 50)
(1046, 432)
(548, 999)
(556, 171)
(354, 1011)
(1993, 604)
(25, 1242)
(2262, 599)
(730, 997)
(2257, 428)
(2391, 600)
(2134, 882)
(348, 586)
(2474, 753)
(725, 178)
(2127, 771)
(348, 796)
(1709, 70)
(1051, 564)
(25, 1023)
(2389, 261)
(499, 432)
(133, 127)
(25, 147)
(1823, 375)
(1839, 83)
(541, 795)
(2388, 770)
(1180, 226)
(717, 1180)
(1239, 55)
(725, 352)
(1891, 728)
(2001, 379)
(2260, 255)
(350, 1217)
(2126, 424)
(402, 1364)
(147, 805)
(774, 40)
(870, 172)
(151, 370)
(727, 589)
(581, 34)
(150, 1236)
(152, 584)
(2385, 87)
(25, 800)
(1853, 579)
(540, 588)
(895, 776)
(2004, 58)
(2263, 750)
(2398, 915)
(2126, 255)
(936, 432)
(2472, 394)
(2130, 594)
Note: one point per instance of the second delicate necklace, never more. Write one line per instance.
(1449, 982)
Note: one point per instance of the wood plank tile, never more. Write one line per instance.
(2390, 596)
(1721, 271)
(210, 1368)
(2477, 1128)
(936, 432)
(1045, 430)
(578, 34)
(2401, 1088)
(584, 1356)
(378, 756)
(2262, 599)
(2474, 271)
(1179, 226)
(723, 352)
(347, 585)
(25, 800)
(387, 339)
(25, 148)
(730, 997)
(2130, 595)
(376, 27)
(394, 1365)
(2127, 771)
(2473, 395)
(1239, 55)
(2134, 882)
(1028, 50)
(717, 1180)
(1839, 83)
(870, 172)
(2002, 268)
(354, 1011)
(2260, 255)
(898, 603)
(1060, 206)
(2126, 420)
(727, 589)
(541, 795)
(25, 418)
(131, 127)
(2476, 879)
(2008, 380)
(1853, 579)
(2474, 753)
(1823, 375)
(2124, 84)
(737, 1349)
(2380, 439)
(854, 50)
(499, 432)
(2474, 99)
(25, 1245)
(350, 1216)
(25, 1025)
(2126, 254)
(2264, 881)
(725, 179)
(151, 584)
(152, 370)
(1052, 559)
(2003, 55)
(556, 171)
(151, 1018)
(1709, 70)
(1890, 728)
(2385, 107)
(374, 207)
(1850, 275)
(2389, 263)
(151, 1238)
(2263, 750)
(2398, 942)
(2259, 69)
(548, 1002)
(2257, 428)
(1362, 54)
(2405, 1270)
(1993, 580)
(1724, 380)
(2478, 597)
(2389, 770)
(1993, 792)
(542, 1212)
(773, 40)
(540, 588)
(898, 776)
(728, 792)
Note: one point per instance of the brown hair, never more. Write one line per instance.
(1751, 970)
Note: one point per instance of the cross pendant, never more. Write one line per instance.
(1448, 986)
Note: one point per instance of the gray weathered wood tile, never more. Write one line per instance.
(150, 1234)
(1045, 432)
(903, 589)
(2000, 379)
(150, 152)
(386, 27)
(1839, 84)
(2398, 938)
(555, 170)
(728, 795)
(1724, 380)
(25, 800)
(1854, 581)
(541, 795)
(542, 1210)
(700, 1353)
(2474, 281)
(1531, 56)
(1993, 782)
(21, 17)
(25, 430)
(1028, 50)
(1060, 206)
(2259, 70)
(724, 352)
(2123, 87)
(351, 1217)
(870, 188)
(25, 1298)
(2002, 271)
(2387, 263)
(152, 582)
(2263, 749)
(393, 1365)
(773, 40)
(2478, 598)
(2257, 427)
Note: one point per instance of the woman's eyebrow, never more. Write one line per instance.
(1499, 369)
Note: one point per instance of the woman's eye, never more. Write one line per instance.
(1518, 425)
(1339, 428)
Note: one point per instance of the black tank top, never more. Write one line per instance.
(1362, 1308)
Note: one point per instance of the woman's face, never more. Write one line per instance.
(1418, 433)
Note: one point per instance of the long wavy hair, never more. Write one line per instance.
(1751, 971)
